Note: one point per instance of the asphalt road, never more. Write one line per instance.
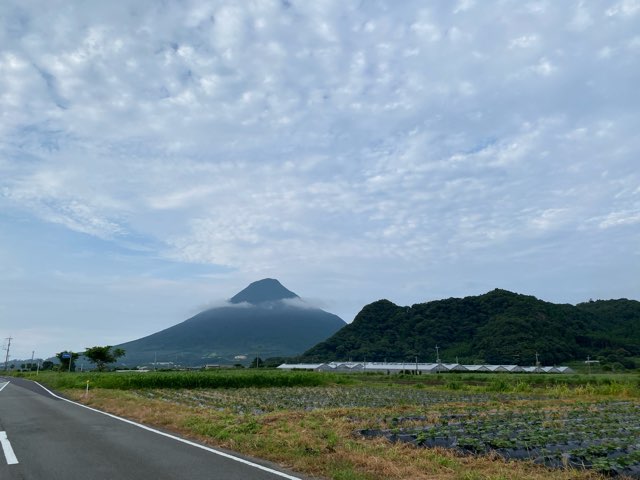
(47, 438)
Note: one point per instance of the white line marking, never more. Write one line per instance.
(178, 439)
(8, 451)
(3, 385)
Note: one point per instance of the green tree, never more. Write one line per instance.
(101, 356)
(257, 363)
(47, 365)
(64, 362)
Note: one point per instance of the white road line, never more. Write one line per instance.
(8, 451)
(178, 439)
(2, 385)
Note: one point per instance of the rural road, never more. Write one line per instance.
(45, 437)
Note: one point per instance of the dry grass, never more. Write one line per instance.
(319, 443)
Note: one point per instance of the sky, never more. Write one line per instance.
(158, 156)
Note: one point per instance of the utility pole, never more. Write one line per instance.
(6, 359)
(589, 362)
(437, 354)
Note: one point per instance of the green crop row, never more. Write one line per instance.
(188, 380)
(556, 385)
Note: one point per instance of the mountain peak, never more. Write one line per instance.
(265, 290)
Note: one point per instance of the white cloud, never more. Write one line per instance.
(360, 144)
(524, 41)
(581, 19)
(626, 8)
(634, 43)
(549, 219)
(544, 67)
(180, 199)
(616, 219)
(298, 303)
(464, 5)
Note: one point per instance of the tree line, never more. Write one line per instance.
(101, 357)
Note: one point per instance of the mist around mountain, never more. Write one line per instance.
(499, 327)
(265, 320)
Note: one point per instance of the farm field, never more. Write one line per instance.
(391, 427)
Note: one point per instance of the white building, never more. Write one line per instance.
(417, 368)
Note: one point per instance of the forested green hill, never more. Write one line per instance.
(499, 327)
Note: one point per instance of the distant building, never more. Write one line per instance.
(417, 368)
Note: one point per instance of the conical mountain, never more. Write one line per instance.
(265, 319)
(266, 290)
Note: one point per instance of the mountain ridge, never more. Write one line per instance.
(495, 327)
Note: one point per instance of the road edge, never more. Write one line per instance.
(176, 438)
